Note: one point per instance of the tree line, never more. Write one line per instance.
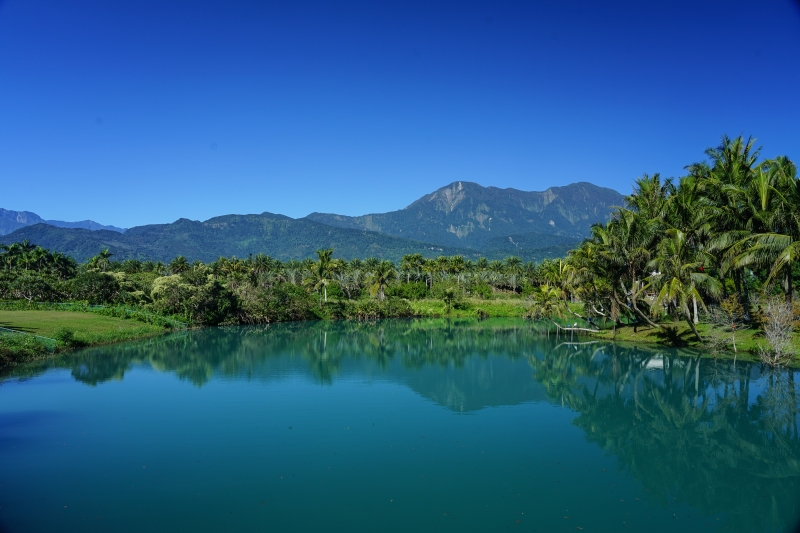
(724, 240)
(262, 289)
(718, 245)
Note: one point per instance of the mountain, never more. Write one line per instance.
(13, 220)
(461, 219)
(466, 214)
(240, 235)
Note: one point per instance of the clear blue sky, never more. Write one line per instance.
(134, 112)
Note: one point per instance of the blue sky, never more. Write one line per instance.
(135, 112)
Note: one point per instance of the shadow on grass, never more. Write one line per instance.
(10, 325)
(669, 336)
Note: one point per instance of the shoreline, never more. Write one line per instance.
(672, 336)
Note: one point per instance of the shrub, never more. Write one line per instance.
(416, 290)
(20, 348)
(66, 338)
(95, 287)
(482, 290)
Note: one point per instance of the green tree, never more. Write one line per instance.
(380, 277)
(680, 273)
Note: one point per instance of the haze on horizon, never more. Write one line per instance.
(131, 113)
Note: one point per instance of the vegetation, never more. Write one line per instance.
(711, 251)
(44, 332)
(276, 235)
(679, 252)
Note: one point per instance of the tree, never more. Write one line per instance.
(729, 316)
(777, 325)
(101, 261)
(777, 245)
(95, 287)
(381, 276)
(680, 272)
(179, 265)
(322, 272)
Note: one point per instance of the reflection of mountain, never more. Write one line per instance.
(474, 385)
(456, 364)
(721, 438)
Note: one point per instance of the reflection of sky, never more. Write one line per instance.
(241, 454)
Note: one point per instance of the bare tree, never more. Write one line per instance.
(777, 325)
(727, 319)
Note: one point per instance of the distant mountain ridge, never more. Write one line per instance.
(470, 215)
(462, 218)
(14, 220)
(230, 235)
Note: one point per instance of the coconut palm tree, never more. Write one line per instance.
(179, 265)
(679, 274)
(381, 276)
(102, 260)
(777, 246)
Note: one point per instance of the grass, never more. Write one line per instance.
(679, 334)
(470, 307)
(88, 328)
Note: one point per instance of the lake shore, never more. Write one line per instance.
(43, 333)
(90, 329)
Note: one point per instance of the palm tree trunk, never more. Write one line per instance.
(694, 304)
(694, 329)
(745, 295)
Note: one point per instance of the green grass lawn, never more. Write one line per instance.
(679, 334)
(89, 328)
(469, 308)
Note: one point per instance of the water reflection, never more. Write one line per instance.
(722, 438)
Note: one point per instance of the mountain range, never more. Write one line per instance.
(462, 218)
(14, 220)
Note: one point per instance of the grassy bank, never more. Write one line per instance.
(69, 329)
(471, 307)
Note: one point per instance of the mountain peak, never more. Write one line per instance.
(465, 213)
(14, 220)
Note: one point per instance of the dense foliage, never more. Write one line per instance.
(717, 246)
(260, 289)
(730, 228)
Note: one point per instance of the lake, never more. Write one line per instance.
(397, 425)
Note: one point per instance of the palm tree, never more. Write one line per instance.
(411, 263)
(179, 265)
(102, 260)
(381, 276)
(680, 272)
(63, 266)
(261, 264)
(777, 246)
(371, 263)
(293, 272)
(322, 272)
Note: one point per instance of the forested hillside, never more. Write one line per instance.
(460, 219)
(231, 235)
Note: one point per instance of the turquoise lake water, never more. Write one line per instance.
(401, 425)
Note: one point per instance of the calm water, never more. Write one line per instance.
(395, 426)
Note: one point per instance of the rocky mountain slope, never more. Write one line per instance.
(469, 215)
